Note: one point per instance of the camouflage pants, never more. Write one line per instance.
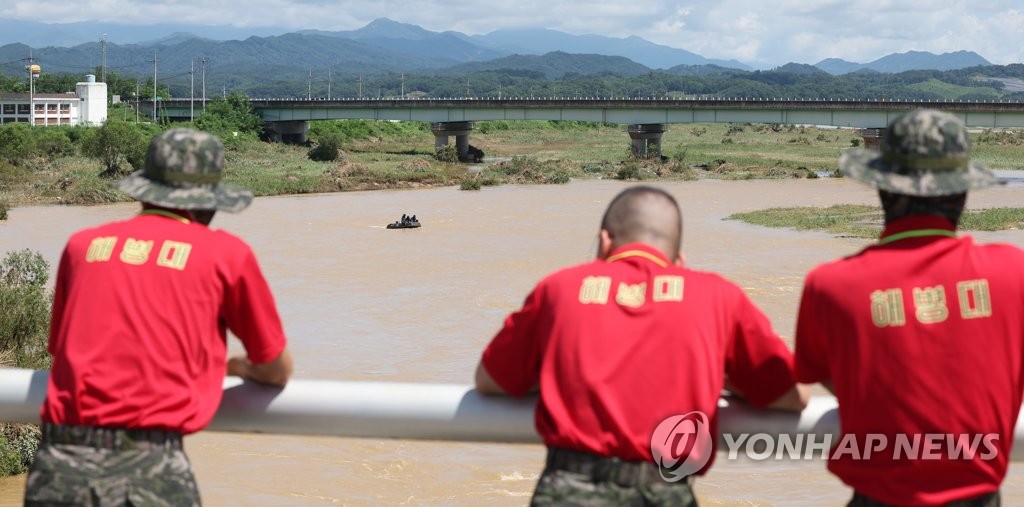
(101, 467)
(579, 480)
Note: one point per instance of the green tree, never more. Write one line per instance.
(115, 143)
(225, 117)
(53, 142)
(16, 142)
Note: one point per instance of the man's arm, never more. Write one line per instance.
(485, 384)
(276, 372)
(795, 399)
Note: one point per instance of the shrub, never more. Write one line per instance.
(23, 335)
(449, 154)
(470, 184)
(114, 143)
(328, 149)
(16, 142)
(3, 210)
(855, 142)
(53, 142)
(629, 171)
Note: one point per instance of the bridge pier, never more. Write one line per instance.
(872, 137)
(460, 129)
(291, 132)
(645, 136)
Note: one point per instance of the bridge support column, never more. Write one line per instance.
(644, 136)
(290, 132)
(460, 129)
(872, 137)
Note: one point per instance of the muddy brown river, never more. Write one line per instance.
(360, 302)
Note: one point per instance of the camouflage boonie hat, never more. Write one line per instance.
(182, 171)
(923, 153)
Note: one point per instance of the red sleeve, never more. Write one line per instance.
(811, 348)
(251, 313)
(59, 298)
(757, 362)
(513, 357)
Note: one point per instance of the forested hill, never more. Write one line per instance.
(312, 65)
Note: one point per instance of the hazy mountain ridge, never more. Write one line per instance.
(556, 65)
(910, 60)
(396, 46)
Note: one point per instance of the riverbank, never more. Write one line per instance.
(533, 152)
(517, 152)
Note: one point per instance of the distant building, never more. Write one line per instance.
(86, 106)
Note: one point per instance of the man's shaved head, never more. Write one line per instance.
(644, 214)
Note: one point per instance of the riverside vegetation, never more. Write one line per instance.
(76, 166)
(61, 165)
(24, 323)
(860, 221)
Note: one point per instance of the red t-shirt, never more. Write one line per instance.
(920, 335)
(618, 346)
(140, 315)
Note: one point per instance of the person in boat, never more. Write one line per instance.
(920, 336)
(616, 351)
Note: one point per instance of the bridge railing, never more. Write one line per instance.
(421, 411)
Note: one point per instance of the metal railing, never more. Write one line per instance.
(418, 411)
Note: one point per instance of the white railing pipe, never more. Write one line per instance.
(416, 411)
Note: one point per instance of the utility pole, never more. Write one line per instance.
(154, 88)
(309, 86)
(103, 64)
(204, 83)
(328, 84)
(31, 89)
(360, 86)
(403, 85)
(192, 92)
(137, 101)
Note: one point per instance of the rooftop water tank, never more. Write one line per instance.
(90, 78)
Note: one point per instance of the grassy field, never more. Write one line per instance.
(859, 221)
(389, 155)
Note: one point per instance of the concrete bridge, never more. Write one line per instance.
(646, 118)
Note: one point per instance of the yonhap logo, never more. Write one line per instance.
(682, 445)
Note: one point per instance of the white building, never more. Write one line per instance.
(86, 106)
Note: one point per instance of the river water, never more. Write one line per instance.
(360, 302)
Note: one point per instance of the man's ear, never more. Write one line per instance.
(681, 259)
(605, 244)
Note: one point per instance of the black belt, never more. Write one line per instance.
(986, 500)
(110, 438)
(608, 469)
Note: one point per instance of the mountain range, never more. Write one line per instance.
(382, 45)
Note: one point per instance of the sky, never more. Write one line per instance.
(760, 33)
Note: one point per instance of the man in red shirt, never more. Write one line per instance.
(138, 335)
(630, 353)
(920, 336)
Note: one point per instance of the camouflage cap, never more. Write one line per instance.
(183, 171)
(923, 153)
